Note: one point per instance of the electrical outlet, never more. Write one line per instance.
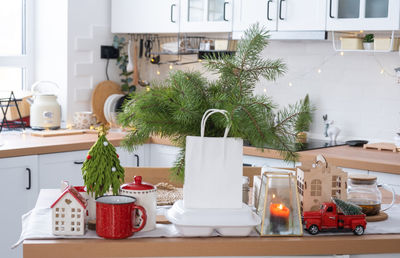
(109, 52)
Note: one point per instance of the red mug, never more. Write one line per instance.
(116, 216)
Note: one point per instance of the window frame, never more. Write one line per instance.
(25, 61)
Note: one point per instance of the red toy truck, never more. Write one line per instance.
(328, 218)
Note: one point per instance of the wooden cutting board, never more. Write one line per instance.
(51, 133)
(99, 96)
(381, 146)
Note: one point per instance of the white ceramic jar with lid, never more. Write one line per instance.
(146, 196)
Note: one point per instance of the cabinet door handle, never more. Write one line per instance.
(330, 9)
(269, 2)
(280, 10)
(224, 15)
(172, 13)
(137, 160)
(78, 162)
(29, 179)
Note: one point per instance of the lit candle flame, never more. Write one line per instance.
(280, 206)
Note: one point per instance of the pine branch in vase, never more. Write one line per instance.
(174, 107)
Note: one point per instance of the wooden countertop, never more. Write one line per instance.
(18, 144)
(344, 156)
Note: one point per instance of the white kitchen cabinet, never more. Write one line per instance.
(267, 162)
(19, 190)
(150, 16)
(281, 16)
(305, 15)
(53, 168)
(206, 15)
(162, 155)
(137, 158)
(350, 15)
(248, 12)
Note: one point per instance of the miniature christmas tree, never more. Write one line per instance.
(101, 169)
(347, 208)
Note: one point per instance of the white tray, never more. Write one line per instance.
(203, 222)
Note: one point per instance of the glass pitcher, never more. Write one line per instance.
(363, 190)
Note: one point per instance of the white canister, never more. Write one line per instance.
(83, 120)
(146, 196)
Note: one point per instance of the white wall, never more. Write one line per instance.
(69, 34)
(89, 27)
(363, 103)
(51, 45)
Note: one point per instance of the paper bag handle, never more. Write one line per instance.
(207, 114)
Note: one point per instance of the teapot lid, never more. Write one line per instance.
(137, 184)
(362, 177)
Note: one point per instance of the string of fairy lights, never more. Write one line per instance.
(318, 69)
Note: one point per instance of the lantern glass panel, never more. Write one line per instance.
(278, 205)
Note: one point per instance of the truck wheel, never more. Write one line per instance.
(359, 230)
(313, 230)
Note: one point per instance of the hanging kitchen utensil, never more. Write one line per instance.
(136, 66)
(141, 48)
(148, 45)
(129, 67)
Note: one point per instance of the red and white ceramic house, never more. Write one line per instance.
(69, 213)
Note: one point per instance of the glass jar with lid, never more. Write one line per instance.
(363, 190)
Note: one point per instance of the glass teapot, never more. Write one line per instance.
(363, 190)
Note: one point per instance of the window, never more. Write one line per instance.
(330, 209)
(336, 185)
(15, 44)
(336, 193)
(336, 181)
(316, 187)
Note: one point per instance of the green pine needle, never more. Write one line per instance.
(174, 108)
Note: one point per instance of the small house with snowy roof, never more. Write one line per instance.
(69, 213)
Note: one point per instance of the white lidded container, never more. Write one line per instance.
(146, 196)
(45, 110)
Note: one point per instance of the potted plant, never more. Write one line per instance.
(302, 125)
(368, 42)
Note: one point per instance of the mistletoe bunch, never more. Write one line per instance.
(174, 107)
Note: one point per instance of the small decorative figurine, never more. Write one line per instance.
(69, 213)
(331, 131)
(335, 216)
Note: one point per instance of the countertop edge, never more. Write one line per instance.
(216, 246)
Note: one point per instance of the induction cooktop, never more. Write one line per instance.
(311, 144)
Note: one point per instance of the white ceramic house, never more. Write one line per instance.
(69, 213)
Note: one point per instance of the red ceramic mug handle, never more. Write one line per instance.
(143, 216)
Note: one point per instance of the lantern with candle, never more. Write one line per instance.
(278, 205)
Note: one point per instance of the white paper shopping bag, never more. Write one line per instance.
(213, 169)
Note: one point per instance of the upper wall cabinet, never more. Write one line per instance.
(363, 14)
(149, 16)
(280, 15)
(206, 15)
